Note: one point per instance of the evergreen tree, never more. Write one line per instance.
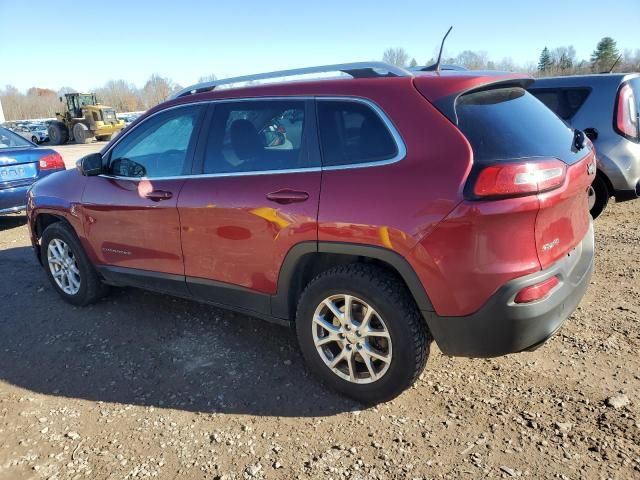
(413, 63)
(545, 61)
(605, 54)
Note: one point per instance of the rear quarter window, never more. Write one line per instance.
(564, 102)
(352, 133)
(510, 124)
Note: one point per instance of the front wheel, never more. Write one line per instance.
(361, 332)
(68, 267)
(35, 140)
(81, 134)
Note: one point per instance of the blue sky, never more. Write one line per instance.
(187, 39)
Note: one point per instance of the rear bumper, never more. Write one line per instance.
(13, 199)
(502, 326)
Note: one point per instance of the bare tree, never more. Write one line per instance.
(36, 103)
(157, 90)
(67, 89)
(396, 56)
(122, 96)
(208, 78)
(506, 65)
(473, 60)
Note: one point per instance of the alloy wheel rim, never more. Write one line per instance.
(63, 266)
(352, 339)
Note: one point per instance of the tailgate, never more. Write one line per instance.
(563, 219)
(508, 126)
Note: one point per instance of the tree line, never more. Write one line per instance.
(120, 94)
(126, 97)
(556, 61)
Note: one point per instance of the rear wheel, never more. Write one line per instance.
(81, 133)
(58, 133)
(361, 332)
(598, 196)
(68, 267)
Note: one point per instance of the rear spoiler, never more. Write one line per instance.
(444, 99)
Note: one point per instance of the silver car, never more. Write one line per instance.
(606, 107)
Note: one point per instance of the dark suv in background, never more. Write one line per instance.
(607, 108)
(372, 214)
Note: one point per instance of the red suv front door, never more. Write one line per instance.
(256, 197)
(131, 216)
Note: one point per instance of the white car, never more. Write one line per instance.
(36, 133)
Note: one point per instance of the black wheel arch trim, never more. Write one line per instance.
(281, 306)
(278, 308)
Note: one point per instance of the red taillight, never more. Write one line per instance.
(537, 291)
(626, 113)
(519, 178)
(53, 161)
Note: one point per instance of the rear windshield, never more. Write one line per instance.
(510, 123)
(8, 139)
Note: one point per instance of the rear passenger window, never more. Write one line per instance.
(564, 102)
(251, 136)
(352, 133)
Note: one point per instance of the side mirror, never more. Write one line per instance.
(90, 165)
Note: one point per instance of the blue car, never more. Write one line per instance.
(21, 164)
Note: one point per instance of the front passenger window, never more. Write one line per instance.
(158, 147)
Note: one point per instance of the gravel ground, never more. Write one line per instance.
(143, 385)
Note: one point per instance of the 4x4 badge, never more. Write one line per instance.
(591, 168)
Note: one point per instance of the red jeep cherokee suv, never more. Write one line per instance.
(373, 212)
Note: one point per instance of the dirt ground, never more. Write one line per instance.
(144, 385)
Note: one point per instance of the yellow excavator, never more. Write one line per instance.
(83, 119)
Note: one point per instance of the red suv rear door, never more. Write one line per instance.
(255, 195)
(130, 214)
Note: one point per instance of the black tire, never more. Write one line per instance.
(81, 133)
(58, 133)
(601, 192)
(389, 297)
(104, 138)
(91, 288)
(35, 140)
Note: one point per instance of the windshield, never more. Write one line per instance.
(8, 139)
